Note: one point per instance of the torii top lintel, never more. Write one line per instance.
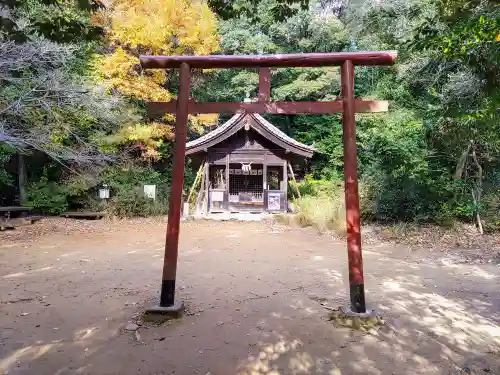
(305, 60)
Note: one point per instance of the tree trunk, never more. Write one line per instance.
(22, 177)
(477, 192)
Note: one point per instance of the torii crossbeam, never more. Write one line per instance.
(348, 106)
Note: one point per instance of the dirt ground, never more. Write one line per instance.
(255, 294)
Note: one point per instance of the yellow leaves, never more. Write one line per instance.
(147, 132)
(165, 26)
(58, 135)
(497, 38)
(142, 88)
(201, 120)
(145, 137)
(122, 71)
(118, 64)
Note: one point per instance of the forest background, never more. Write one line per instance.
(73, 114)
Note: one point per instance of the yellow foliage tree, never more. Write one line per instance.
(167, 27)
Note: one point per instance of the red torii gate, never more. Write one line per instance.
(348, 106)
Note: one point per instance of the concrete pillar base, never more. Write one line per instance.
(161, 314)
(345, 317)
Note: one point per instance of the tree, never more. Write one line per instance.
(464, 38)
(66, 21)
(48, 105)
(40, 102)
(448, 71)
(169, 27)
(280, 10)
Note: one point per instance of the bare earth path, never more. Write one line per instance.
(253, 291)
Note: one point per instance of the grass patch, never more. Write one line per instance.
(321, 206)
(323, 212)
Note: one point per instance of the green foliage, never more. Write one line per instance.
(5, 155)
(127, 196)
(261, 32)
(47, 197)
(127, 178)
(423, 161)
(444, 97)
(133, 203)
(319, 188)
(279, 10)
(321, 206)
(80, 192)
(65, 21)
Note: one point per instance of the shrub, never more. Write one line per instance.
(5, 155)
(310, 186)
(490, 205)
(80, 192)
(47, 197)
(134, 203)
(127, 197)
(321, 206)
(322, 212)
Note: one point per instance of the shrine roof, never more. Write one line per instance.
(257, 123)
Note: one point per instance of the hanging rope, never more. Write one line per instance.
(246, 167)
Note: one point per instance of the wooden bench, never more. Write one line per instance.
(7, 210)
(83, 215)
(8, 222)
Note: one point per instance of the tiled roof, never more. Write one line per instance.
(239, 120)
(216, 132)
(278, 133)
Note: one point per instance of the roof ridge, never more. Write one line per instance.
(209, 138)
(273, 129)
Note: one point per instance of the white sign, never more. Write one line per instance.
(217, 196)
(150, 191)
(104, 193)
(273, 201)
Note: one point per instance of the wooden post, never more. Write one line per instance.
(22, 178)
(285, 184)
(264, 176)
(198, 176)
(294, 180)
(174, 212)
(207, 188)
(264, 184)
(226, 196)
(202, 189)
(264, 85)
(356, 280)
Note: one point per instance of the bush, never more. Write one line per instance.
(321, 206)
(134, 203)
(310, 186)
(127, 197)
(5, 155)
(47, 197)
(322, 212)
(80, 192)
(490, 204)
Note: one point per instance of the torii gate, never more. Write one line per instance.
(348, 106)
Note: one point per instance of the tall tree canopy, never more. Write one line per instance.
(45, 101)
(60, 21)
(72, 87)
(168, 27)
